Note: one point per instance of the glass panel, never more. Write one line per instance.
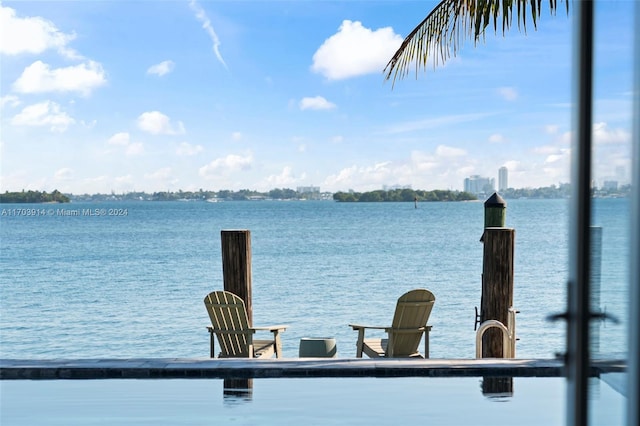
(611, 187)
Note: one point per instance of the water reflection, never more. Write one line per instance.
(499, 389)
(237, 391)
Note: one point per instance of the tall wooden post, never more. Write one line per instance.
(236, 265)
(497, 285)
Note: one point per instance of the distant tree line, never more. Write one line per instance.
(404, 195)
(200, 195)
(33, 197)
(553, 191)
(561, 191)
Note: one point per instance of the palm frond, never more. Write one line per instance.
(441, 33)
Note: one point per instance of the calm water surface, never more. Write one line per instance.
(132, 286)
(318, 401)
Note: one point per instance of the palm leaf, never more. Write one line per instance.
(441, 33)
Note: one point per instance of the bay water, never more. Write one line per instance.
(128, 279)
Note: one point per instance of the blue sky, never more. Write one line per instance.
(100, 96)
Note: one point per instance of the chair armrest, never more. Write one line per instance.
(373, 327)
(271, 328)
(236, 332)
(411, 330)
(275, 329)
(361, 330)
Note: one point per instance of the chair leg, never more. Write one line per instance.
(360, 343)
(212, 344)
(277, 344)
(426, 342)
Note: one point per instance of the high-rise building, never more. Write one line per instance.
(310, 192)
(479, 185)
(503, 178)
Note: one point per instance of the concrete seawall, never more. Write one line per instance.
(167, 368)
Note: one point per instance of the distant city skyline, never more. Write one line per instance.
(101, 96)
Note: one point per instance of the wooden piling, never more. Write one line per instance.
(236, 265)
(497, 285)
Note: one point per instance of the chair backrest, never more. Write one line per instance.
(229, 319)
(412, 312)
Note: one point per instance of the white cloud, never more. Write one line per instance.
(236, 136)
(157, 123)
(447, 151)
(373, 176)
(124, 181)
(100, 180)
(555, 173)
(286, 177)
(31, 35)
(162, 178)
(423, 162)
(316, 103)
(164, 67)
(63, 174)
(508, 93)
(186, 149)
(121, 138)
(40, 78)
(226, 165)
(496, 138)
(551, 129)
(337, 139)
(467, 170)
(553, 158)
(546, 149)
(160, 174)
(560, 155)
(435, 169)
(45, 113)
(432, 123)
(602, 134)
(11, 100)
(89, 124)
(133, 149)
(206, 25)
(512, 165)
(355, 50)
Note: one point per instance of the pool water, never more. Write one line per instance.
(313, 401)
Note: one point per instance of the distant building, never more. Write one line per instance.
(503, 179)
(394, 187)
(310, 192)
(479, 185)
(610, 185)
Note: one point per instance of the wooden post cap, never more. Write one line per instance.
(495, 201)
(495, 212)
